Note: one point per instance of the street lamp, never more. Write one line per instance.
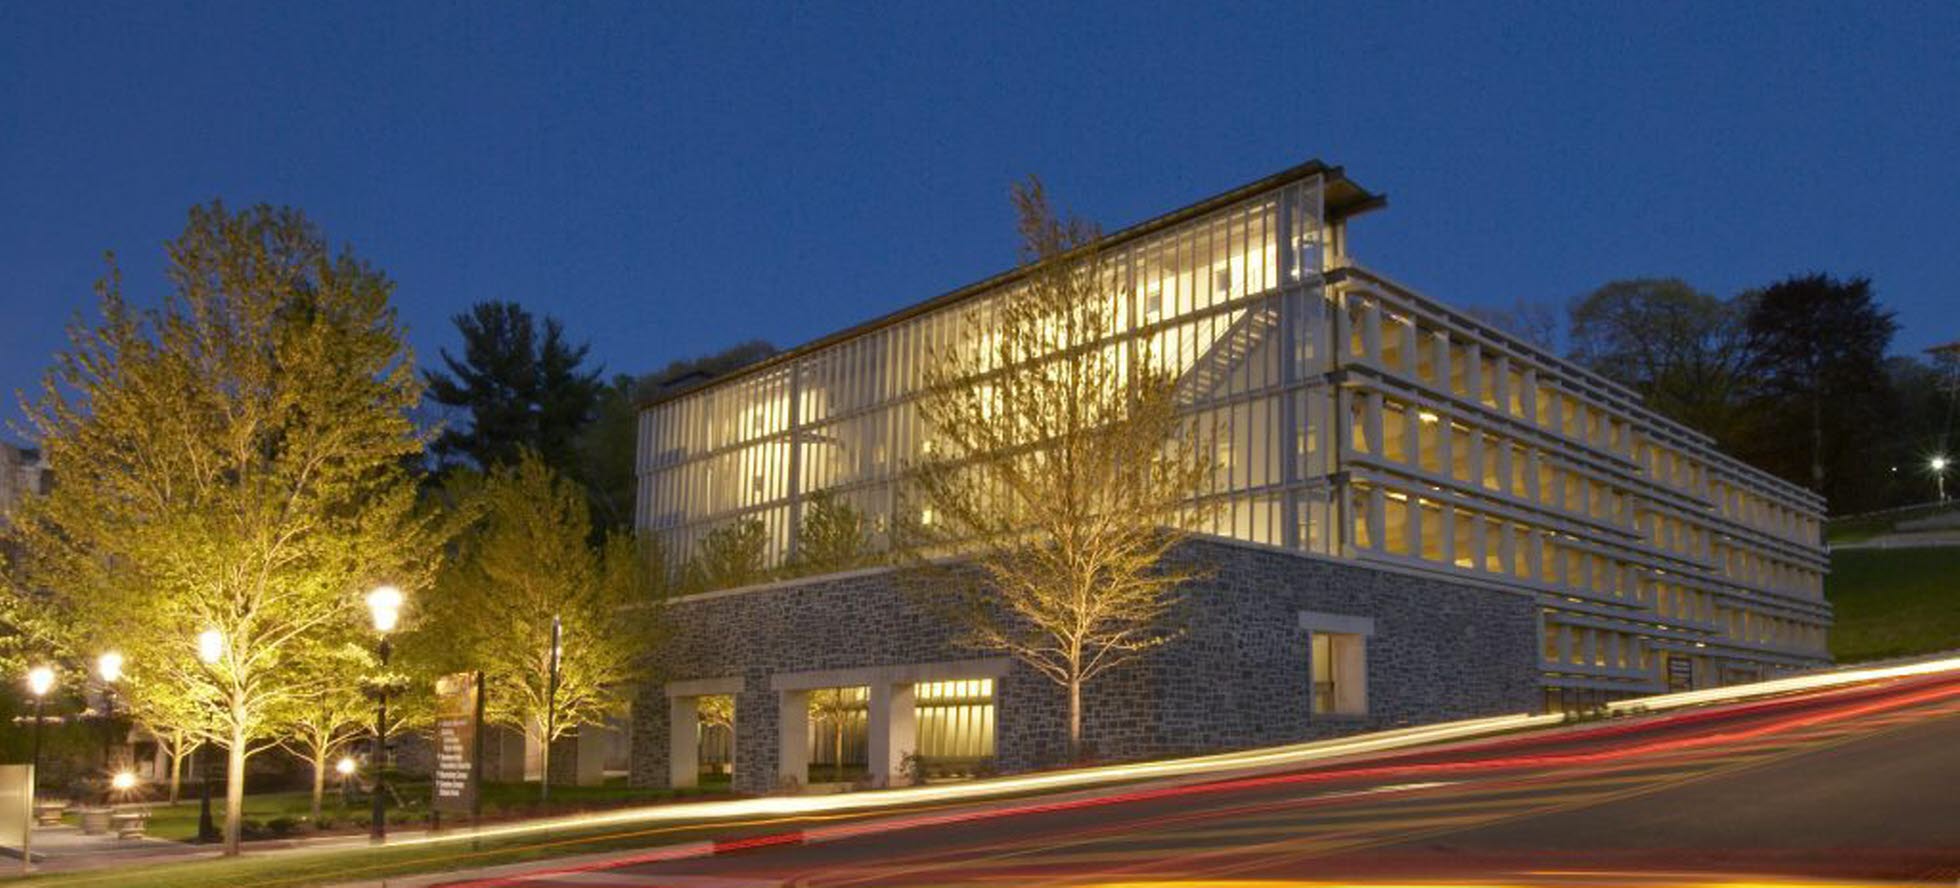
(109, 667)
(210, 649)
(40, 680)
(210, 646)
(1939, 465)
(385, 605)
(345, 768)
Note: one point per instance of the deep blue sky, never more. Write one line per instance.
(669, 179)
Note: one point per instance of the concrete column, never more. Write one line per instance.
(894, 731)
(1448, 542)
(793, 736)
(683, 742)
(1501, 383)
(1371, 332)
(1372, 418)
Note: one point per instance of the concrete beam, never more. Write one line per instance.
(906, 673)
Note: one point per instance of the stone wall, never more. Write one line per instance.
(1235, 678)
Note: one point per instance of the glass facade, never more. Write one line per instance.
(1350, 418)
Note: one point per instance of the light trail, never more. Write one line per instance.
(1839, 710)
(1086, 778)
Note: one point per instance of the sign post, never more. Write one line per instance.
(459, 732)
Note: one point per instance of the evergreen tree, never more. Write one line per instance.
(522, 388)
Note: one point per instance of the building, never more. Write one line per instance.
(1426, 518)
(22, 474)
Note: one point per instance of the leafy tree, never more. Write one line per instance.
(834, 707)
(524, 563)
(1684, 351)
(832, 537)
(173, 715)
(522, 387)
(231, 462)
(1818, 346)
(319, 722)
(1536, 323)
(686, 371)
(1061, 468)
(730, 556)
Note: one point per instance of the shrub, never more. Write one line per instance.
(281, 827)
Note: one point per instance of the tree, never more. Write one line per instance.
(523, 389)
(832, 536)
(1818, 347)
(321, 721)
(685, 371)
(172, 715)
(834, 707)
(606, 455)
(232, 468)
(1536, 323)
(730, 556)
(1060, 467)
(1684, 351)
(525, 563)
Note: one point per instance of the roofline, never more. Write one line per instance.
(1362, 202)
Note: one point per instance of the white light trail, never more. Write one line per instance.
(1202, 767)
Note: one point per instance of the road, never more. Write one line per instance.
(1857, 783)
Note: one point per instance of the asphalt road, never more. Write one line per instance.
(1862, 783)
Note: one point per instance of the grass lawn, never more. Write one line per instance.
(1894, 602)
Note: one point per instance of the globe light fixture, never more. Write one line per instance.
(344, 767)
(40, 680)
(124, 781)
(385, 605)
(110, 666)
(210, 645)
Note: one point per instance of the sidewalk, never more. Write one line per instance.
(65, 849)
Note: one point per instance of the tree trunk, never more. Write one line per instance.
(319, 784)
(234, 791)
(837, 767)
(176, 756)
(1074, 720)
(544, 767)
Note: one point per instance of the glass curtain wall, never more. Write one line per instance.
(1230, 302)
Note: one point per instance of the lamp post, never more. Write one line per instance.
(210, 649)
(40, 680)
(345, 768)
(385, 606)
(109, 668)
(1939, 464)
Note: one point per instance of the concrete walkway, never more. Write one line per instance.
(65, 849)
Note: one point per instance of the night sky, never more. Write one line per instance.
(671, 179)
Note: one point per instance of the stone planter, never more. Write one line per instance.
(95, 821)
(49, 813)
